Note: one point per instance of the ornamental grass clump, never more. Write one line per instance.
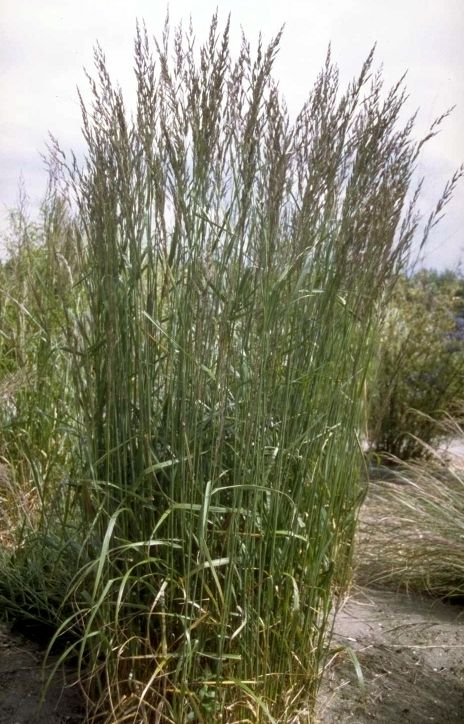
(232, 262)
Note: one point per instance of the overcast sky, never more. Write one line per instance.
(45, 44)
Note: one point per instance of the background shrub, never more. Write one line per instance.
(420, 374)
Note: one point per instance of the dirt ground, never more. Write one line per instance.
(410, 651)
(21, 680)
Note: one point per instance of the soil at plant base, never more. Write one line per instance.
(21, 679)
(410, 651)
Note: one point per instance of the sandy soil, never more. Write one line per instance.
(411, 654)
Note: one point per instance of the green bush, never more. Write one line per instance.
(40, 525)
(420, 371)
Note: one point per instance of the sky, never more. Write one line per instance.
(46, 44)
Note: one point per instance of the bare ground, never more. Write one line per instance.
(21, 679)
(410, 651)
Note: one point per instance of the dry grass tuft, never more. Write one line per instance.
(411, 533)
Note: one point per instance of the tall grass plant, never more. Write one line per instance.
(228, 269)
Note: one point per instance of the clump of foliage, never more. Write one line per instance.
(420, 373)
(412, 530)
(40, 532)
(211, 312)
